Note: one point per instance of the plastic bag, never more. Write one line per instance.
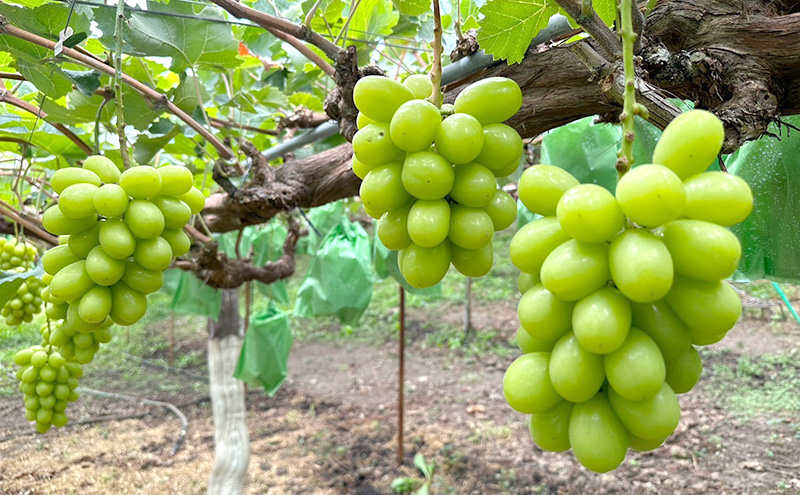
(340, 277)
(264, 358)
(193, 297)
(268, 246)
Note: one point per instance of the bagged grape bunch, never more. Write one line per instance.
(431, 180)
(20, 257)
(618, 291)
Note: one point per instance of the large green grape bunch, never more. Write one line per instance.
(618, 291)
(119, 232)
(19, 256)
(431, 181)
(48, 380)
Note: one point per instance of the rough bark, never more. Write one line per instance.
(231, 440)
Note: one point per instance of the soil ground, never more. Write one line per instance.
(331, 429)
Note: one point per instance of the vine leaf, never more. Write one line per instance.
(606, 10)
(147, 147)
(508, 26)
(87, 81)
(11, 281)
(412, 7)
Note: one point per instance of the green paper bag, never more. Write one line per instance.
(264, 358)
(193, 297)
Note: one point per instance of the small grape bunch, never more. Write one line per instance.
(19, 256)
(118, 233)
(48, 381)
(72, 344)
(617, 290)
(431, 181)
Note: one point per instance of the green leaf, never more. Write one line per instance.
(82, 108)
(45, 20)
(373, 17)
(606, 10)
(307, 100)
(771, 234)
(147, 147)
(75, 39)
(48, 78)
(87, 81)
(508, 26)
(412, 7)
(10, 282)
(138, 111)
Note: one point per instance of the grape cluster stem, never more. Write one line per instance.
(436, 44)
(625, 156)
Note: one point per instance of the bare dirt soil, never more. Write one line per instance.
(331, 430)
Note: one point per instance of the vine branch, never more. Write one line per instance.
(436, 44)
(625, 156)
(120, 111)
(588, 19)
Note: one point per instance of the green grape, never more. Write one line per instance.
(56, 360)
(502, 146)
(379, 97)
(420, 85)
(373, 145)
(502, 209)
(717, 197)
(393, 230)
(176, 212)
(144, 219)
(81, 243)
(56, 223)
(598, 439)
(427, 175)
(66, 177)
(470, 228)
(701, 337)
(57, 258)
(473, 262)
(374, 214)
(601, 320)
(47, 373)
(127, 305)
(141, 182)
(642, 445)
(23, 357)
(103, 269)
(532, 243)
(651, 195)
(636, 369)
(576, 373)
(71, 282)
(414, 125)
(589, 213)
(175, 180)
(526, 384)
(117, 239)
(425, 267)
(550, 428)
(702, 250)
(95, 305)
(528, 343)
(63, 239)
(39, 358)
(542, 315)
(713, 307)
(77, 201)
(526, 281)
(653, 418)
(77, 323)
(459, 138)
(141, 279)
(360, 169)
(429, 222)
(575, 269)
(473, 185)
(542, 186)
(507, 170)
(178, 241)
(382, 189)
(195, 199)
(663, 326)
(56, 311)
(640, 266)
(690, 143)
(154, 254)
(684, 371)
(103, 167)
(363, 121)
(490, 100)
(111, 200)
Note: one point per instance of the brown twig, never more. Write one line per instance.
(304, 50)
(229, 124)
(592, 24)
(158, 98)
(197, 234)
(436, 44)
(12, 76)
(17, 216)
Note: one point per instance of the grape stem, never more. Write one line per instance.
(118, 36)
(629, 108)
(436, 44)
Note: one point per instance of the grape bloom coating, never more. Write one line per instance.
(431, 182)
(617, 290)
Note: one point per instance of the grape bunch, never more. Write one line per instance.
(48, 381)
(431, 181)
(617, 290)
(74, 345)
(19, 256)
(119, 232)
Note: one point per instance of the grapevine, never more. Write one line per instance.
(431, 181)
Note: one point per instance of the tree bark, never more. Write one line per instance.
(231, 440)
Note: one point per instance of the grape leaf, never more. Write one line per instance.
(147, 146)
(508, 26)
(374, 18)
(307, 100)
(87, 81)
(45, 20)
(11, 281)
(412, 7)
(606, 10)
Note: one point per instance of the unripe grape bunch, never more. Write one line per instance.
(617, 290)
(430, 175)
(20, 257)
